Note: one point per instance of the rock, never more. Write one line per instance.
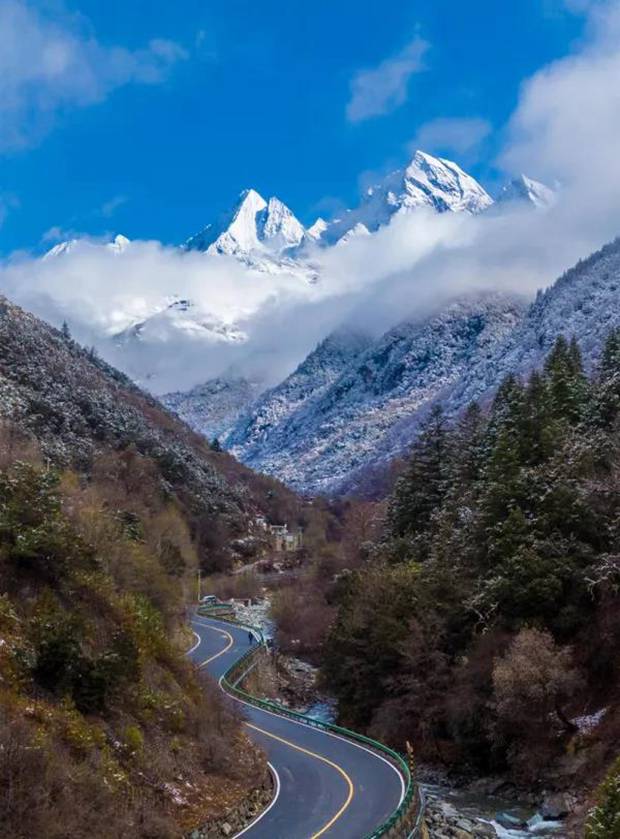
(484, 830)
(462, 834)
(465, 824)
(227, 829)
(556, 806)
(510, 821)
(447, 810)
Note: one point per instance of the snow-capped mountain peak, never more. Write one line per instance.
(358, 231)
(278, 228)
(253, 225)
(441, 184)
(235, 231)
(118, 244)
(316, 230)
(426, 181)
(527, 190)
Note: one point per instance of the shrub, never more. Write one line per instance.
(604, 820)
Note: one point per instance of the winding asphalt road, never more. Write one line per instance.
(325, 785)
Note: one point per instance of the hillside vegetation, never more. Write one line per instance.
(484, 622)
(108, 507)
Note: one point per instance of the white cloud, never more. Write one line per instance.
(567, 123)
(383, 88)
(452, 135)
(49, 64)
(565, 126)
(108, 208)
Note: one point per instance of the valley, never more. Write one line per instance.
(309, 420)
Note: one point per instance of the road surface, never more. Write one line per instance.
(325, 785)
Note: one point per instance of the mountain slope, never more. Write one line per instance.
(213, 408)
(108, 507)
(333, 436)
(583, 303)
(320, 441)
(79, 408)
(303, 387)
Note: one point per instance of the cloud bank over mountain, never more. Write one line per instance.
(262, 319)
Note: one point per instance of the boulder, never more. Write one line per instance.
(555, 806)
(484, 830)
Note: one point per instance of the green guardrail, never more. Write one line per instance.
(205, 612)
(412, 791)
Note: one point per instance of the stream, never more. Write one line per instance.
(510, 819)
(488, 808)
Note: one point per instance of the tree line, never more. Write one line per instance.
(484, 621)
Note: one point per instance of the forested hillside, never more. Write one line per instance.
(108, 507)
(484, 625)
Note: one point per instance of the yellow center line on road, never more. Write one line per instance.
(326, 760)
(224, 634)
(323, 759)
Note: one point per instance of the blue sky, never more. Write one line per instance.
(165, 115)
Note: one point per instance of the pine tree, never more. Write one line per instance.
(65, 331)
(610, 357)
(422, 488)
(507, 410)
(466, 452)
(216, 446)
(606, 403)
(566, 381)
(538, 433)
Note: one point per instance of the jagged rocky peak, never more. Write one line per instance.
(437, 183)
(524, 190)
(253, 224)
(426, 182)
(277, 226)
(316, 230)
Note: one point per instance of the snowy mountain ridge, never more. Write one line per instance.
(333, 438)
(252, 224)
(427, 181)
(355, 398)
(526, 190)
(316, 432)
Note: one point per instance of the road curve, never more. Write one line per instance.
(327, 786)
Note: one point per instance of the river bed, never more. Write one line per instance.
(453, 802)
(476, 807)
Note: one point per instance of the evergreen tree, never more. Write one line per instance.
(65, 331)
(421, 489)
(507, 412)
(466, 451)
(538, 434)
(216, 446)
(610, 357)
(606, 403)
(566, 381)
